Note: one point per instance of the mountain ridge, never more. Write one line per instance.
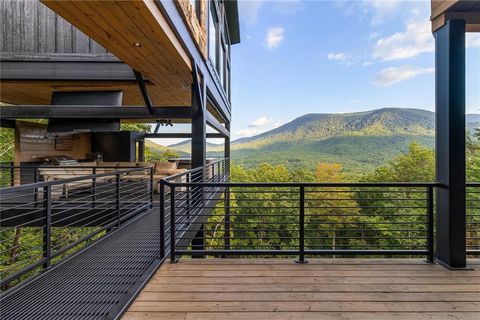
(360, 141)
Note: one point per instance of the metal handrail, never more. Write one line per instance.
(103, 205)
(42, 184)
(180, 223)
(306, 184)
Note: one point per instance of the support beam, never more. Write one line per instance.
(143, 90)
(141, 150)
(89, 112)
(179, 135)
(215, 124)
(226, 152)
(199, 125)
(450, 143)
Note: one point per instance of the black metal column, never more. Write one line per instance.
(199, 124)
(199, 148)
(141, 150)
(226, 150)
(450, 143)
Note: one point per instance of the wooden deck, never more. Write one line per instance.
(343, 289)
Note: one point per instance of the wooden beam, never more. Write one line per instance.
(472, 20)
(97, 112)
(440, 6)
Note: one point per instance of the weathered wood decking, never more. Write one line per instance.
(323, 289)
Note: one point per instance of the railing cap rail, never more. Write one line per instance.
(303, 184)
(68, 180)
(194, 170)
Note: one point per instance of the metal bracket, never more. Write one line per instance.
(143, 89)
(197, 89)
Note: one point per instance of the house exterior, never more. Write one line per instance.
(99, 242)
(166, 61)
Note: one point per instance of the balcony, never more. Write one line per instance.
(269, 250)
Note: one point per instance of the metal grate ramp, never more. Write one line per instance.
(96, 283)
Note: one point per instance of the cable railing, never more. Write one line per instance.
(69, 207)
(13, 175)
(302, 219)
(473, 218)
(44, 223)
(214, 171)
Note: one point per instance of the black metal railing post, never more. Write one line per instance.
(188, 200)
(151, 188)
(173, 258)
(94, 187)
(301, 229)
(47, 228)
(213, 173)
(227, 218)
(162, 219)
(117, 198)
(35, 190)
(12, 174)
(430, 223)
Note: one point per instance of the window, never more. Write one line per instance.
(221, 63)
(212, 35)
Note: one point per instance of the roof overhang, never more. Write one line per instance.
(139, 35)
(231, 10)
(444, 10)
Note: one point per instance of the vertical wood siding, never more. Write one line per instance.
(29, 27)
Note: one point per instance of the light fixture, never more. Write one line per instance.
(137, 45)
(165, 122)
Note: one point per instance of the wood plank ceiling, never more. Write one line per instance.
(138, 34)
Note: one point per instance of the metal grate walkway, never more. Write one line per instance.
(96, 283)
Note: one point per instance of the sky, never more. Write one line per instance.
(298, 57)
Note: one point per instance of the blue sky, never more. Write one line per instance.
(299, 57)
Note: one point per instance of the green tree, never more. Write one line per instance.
(136, 127)
(418, 165)
(400, 213)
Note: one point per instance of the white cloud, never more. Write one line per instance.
(274, 37)
(382, 9)
(260, 122)
(337, 56)
(376, 10)
(249, 10)
(259, 126)
(249, 132)
(415, 40)
(472, 40)
(390, 76)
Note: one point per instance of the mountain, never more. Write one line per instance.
(359, 141)
(160, 149)
(186, 146)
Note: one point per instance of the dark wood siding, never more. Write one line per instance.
(30, 30)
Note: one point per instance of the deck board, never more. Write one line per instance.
(323, 289)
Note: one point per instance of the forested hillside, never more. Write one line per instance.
(360, 142)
